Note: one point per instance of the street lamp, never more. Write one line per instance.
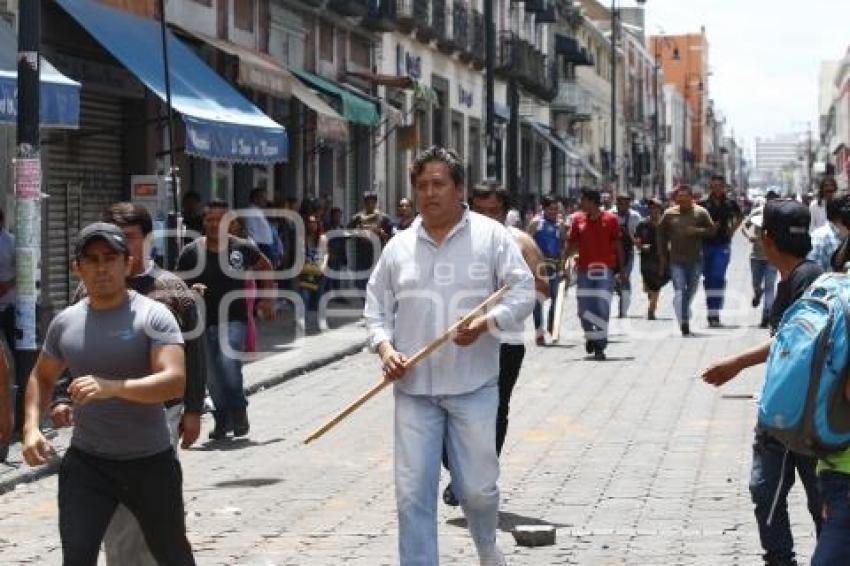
(615, 14)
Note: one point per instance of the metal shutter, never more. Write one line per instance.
(84, 174)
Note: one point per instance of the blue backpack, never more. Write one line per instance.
(802, 402)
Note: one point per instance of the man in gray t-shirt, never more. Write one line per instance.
(124, 353)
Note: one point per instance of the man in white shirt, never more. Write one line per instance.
(257, 226)
(429, 276)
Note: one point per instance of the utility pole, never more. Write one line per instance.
(173, 222)
(613, 165)
(490, 98)
(657, 187)
(27, 173)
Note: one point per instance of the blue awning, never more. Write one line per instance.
(60, 96)
(221, 124)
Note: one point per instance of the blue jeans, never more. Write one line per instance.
(595, 288)
(554, 280)
(685, 277)
(715, 261)
(772, 472)
(624, 289)
(834, 541)
(466, 425)
(225, 373)
(764, 281)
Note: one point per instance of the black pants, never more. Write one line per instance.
(90, 489)
(510, 362)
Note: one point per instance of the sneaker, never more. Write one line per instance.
(765, 323)
(492, 557)
(241, 426)
(449, 497)
(714, 322)
(686, 329)
(599, 355)
(588, 346)
(650, 315)
(757, 298)
(219, 432)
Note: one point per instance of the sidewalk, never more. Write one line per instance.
(281, 356)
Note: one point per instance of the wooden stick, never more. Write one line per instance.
(415, 359)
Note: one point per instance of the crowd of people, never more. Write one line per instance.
(130, 362)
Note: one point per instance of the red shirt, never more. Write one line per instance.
(596, 239)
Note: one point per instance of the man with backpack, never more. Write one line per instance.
(785, 239)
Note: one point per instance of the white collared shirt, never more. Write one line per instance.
(419, 288)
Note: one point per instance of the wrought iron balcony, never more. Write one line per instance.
(457, 18)
(353, 8)
(390, 15)
(423, 22)
(574, 99)
(439, 21)
(476, 42)
(509, 55)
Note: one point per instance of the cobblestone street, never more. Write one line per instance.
(634, 460)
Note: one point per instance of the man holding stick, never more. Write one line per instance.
(428, 277)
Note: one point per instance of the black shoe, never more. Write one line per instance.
(757, 298)
(686, 329)
(449, 497)
(714, 322)
(241, 426)
(765, 323)
(650, 316)
(219, 432)
(599, 355)
(588, 346)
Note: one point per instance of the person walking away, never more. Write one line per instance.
(595, 236)
(310, 281)
(717, 247)
(490, 199)
(405, 214)
(550, 236)
(763, 272)
(629, 219)
(223, 263)
(124, 542)
(120, 450)
(450, 400)
(373, 229)
(646, 240)
(827, 239)
(680, 235)
(827, 189)
(784, 225)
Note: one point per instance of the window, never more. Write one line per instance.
(326, 42)
(243, 14)
(360, 52)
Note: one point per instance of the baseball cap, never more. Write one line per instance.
(783, 218)
(109, 233)
(370, 194)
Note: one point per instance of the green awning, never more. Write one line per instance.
(355, 108)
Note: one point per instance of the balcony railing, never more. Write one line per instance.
(572, 98)
(457, 18)
(476, 43)
(509, 55)
(422, 19)
(439, 21)
(353, 8)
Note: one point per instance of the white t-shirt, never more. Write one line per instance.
(257, 226)
(818, 213)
